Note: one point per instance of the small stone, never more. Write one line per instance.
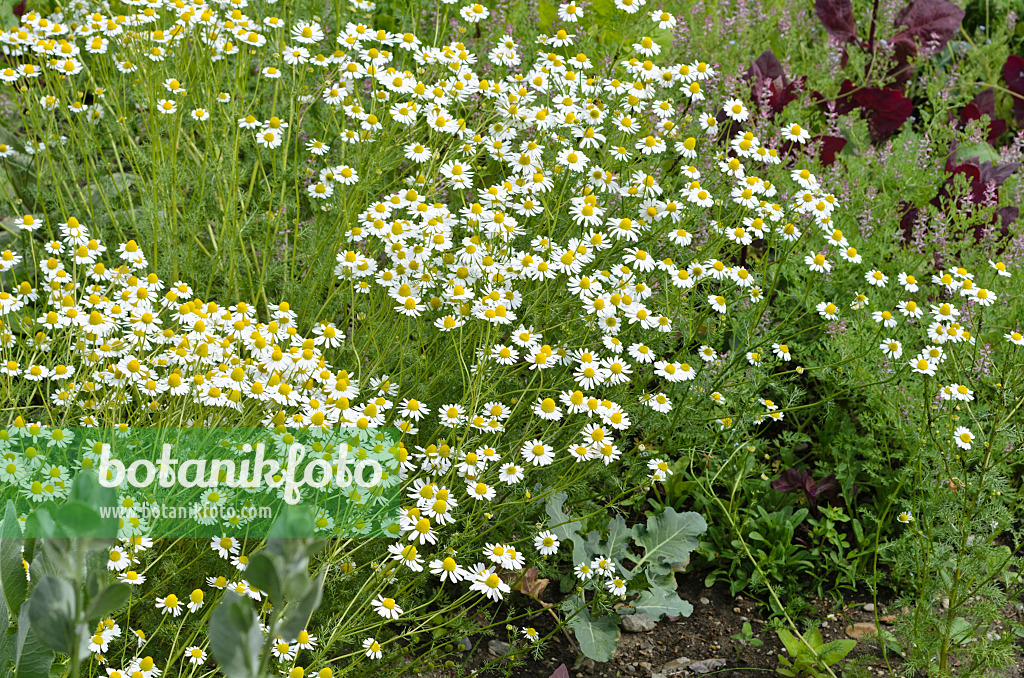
(861, 630)
(707, 665)
(677, 665)
(736, 610)
(704, 601)
(869, 607)
(498, 647)
(637, 623)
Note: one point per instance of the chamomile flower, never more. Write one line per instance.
(372, 649)
(169, 604)
(892, 349)
(195, 654)
(828, 310)
(474, 13)
(735, 110)
(963, 437)
(570, 12)
(167, 106)
(546, 543)
(1000, 268)
(225, 547)
(796, 134)
(195, 600)
(386, 607)
(885, 318)
(923, 366)
(876, 278)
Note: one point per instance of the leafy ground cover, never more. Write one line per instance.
(634, 302)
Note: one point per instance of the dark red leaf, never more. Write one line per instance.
(984, 104)
(1013, 74)
(971, 169)
(969, 112)
(930, 21)
(844, 101)
(968, 169)
(779, 97)
(766, 70)
(827, 487)
(996, 174)
(19, 9)
(1007, 216)
(907, 221)
(904, 51)
(829, 147)
(560, 672)
(766, 66)
(791, 479)
(837, 17)
(886, 109)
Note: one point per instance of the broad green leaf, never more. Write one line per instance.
(7, 640)
(262, 573)
(86, 489)
(603, 8)
(290, 537)
(51, 609)
(12, 569)
(961, 631)
(77, 519)
(53, 556)
(7, 16)
(663, 37)
(981, 150)
(299, 614)
(32, 657)
(661, 600)
(669, 538)
(235, 637)
(789, 640)
(833, 653)
(110, 599)
(616, 546)
(572, 604)
(563, 527)
(292, 522)
(598, 638)
(547, 13)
